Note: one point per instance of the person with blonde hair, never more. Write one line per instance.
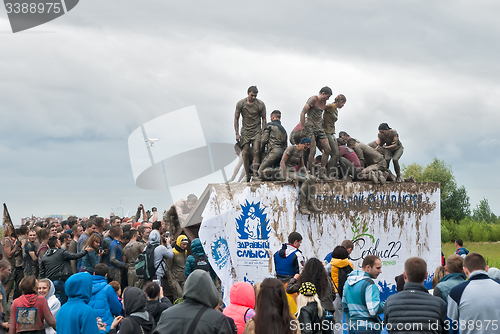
(310, 313)
(438, 274)
(46, 289)
(315, 273)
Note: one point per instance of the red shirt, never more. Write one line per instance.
(28, 313)
(349, 155)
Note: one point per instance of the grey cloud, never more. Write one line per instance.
(428, 69)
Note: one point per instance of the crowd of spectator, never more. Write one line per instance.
(101, 275)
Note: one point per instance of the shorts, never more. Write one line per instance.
(247, 138)
(393, 155)
(318, 133)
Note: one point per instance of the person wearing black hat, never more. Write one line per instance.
(389, 145)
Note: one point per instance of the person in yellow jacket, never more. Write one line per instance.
(340, 260)
(177, 264)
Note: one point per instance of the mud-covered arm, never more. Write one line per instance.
(112, 257)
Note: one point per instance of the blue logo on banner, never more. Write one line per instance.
(220, 252)
(253, 223)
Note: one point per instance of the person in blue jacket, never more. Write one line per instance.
(198, 260)
(104, 299)
(459, 245)
(76, 317)
(289, 260)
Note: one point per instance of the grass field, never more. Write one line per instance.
(490, 250)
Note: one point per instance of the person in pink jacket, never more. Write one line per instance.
(241, 310)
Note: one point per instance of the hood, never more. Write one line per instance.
(286, 250)
(154, 238)
(494, 273)
(134, 300)
(79, 286)
(179, 239)
(98, 283)
(242, 293)
(29, 300)
(341, 263)
(200, 288)
(357, 276)
(453, 276)
(52, 289)
(197, 248)
(177, 246)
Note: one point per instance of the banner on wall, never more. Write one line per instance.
(244, 225)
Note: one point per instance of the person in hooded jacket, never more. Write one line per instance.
(241, 309)
(161, 252)
(46, 289)
(104, 299)
(454, 271)
(198, 260)
(76, 317)
(177, 265)
(200, 295)
(30, 310)
(156, 303)
(340, 260)
(272, 311)
(137, 320)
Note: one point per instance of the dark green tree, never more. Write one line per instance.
(456, 206)
(440, 171)
(482, 212)
(454, 201)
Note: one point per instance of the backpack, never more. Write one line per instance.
(343, 273)
(145, 263)
(201, 262)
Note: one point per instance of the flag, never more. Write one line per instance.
(8, 227)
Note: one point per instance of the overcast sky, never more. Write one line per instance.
(74, 89)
